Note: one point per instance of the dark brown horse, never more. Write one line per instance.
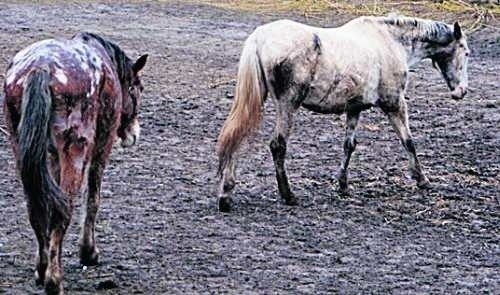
(65, 102)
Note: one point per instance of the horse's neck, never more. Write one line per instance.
(415, 51)
(413, 41)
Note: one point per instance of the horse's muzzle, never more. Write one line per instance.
(459, 92)
(131, 135)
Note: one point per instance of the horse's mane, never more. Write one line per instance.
(121, 61)
(418, 28)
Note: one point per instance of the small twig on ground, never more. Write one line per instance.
(100, 276)
(491, 27)
(4, 131)
(215, 85)
(463, 3)
(9, 254)
(471, 89)
(423, 211)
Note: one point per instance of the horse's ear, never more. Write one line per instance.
(140, 63)
(457, 31)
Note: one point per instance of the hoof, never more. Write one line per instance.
(425, 184)
(53, 287)
(39, 279)
(40, 270)
(291, 201)
(89, 256)
(225, 204)
(345, 190)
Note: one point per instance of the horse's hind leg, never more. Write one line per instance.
(89, 254)
(70, 181)
(54, 272)
(226, 186)
(399, 120)
(38, 221)
(284, 122)
(352, 119)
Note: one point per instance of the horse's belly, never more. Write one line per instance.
(322, 104)
(327, 96)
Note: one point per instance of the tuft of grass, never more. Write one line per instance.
(312, 6)
(302, 6)
(477, 15)
(461, 6)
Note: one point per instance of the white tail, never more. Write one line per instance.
(246, 112)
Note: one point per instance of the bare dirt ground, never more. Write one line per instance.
(159, 230)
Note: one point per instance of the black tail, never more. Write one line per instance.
(41, 189)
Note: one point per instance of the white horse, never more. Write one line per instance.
(348, 69)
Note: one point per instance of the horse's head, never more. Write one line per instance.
(451, 60)
(129, 129)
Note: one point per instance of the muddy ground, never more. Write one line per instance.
(159, 230)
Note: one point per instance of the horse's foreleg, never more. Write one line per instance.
(284, 122)
(89, 253)
(399, 121)
(352, 119)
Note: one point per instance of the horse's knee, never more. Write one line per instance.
(278, 146)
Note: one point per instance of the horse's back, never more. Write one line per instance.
(356, 46)
(336, 65)
(280, 38)
(75, 67)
